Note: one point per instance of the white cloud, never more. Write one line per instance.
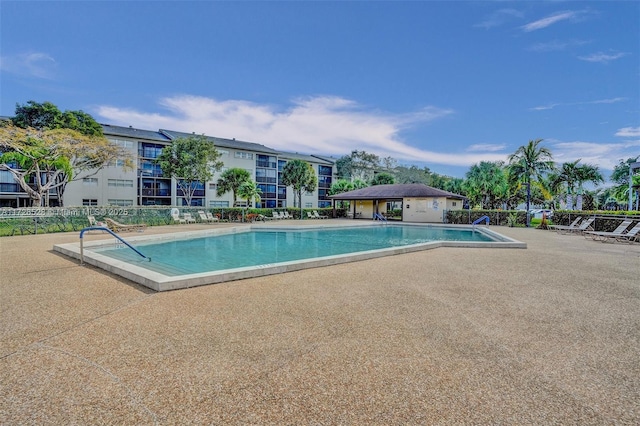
(629, 132)
(604, 155)
(498, 18)
(599, 101)
(486, 147)
(602, 57)
(550, 20)
(327, 125)
(557, 45)
(35, 64)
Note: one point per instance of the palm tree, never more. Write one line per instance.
(567, 176)
(620, 177)
(587, 173)
(530, 161)
(231, 180)
(249, 190)
(573, 176)
(486, 184)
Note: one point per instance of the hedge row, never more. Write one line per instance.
(28, 221)
(606, 220)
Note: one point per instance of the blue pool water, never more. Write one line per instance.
(267, 247)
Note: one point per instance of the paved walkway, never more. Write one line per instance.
(546, 335)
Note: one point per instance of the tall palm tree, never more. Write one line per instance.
(587, 173)
(567, 177)
(572, 176)
(529, 161)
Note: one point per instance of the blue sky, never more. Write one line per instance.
(432, 83)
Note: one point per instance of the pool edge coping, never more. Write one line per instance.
(160, 282)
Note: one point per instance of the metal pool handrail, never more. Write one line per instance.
(102, 228)
(480, 219)
(378, 216)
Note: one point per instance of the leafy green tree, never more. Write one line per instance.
(364, 165)
(383, 179)
(47, 116)
(231, 180)
(249, 191)
(48, 158)
(412, 174)
(528, 162)
(548, 187)
(340, 186)
(620, 177)
(191, 161)
(300, 176)
(455, 186)
(343, 167)
(486, 184)
(359, 184)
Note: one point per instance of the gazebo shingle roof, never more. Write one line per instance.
(414, 190)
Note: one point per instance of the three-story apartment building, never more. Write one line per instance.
(145, 184)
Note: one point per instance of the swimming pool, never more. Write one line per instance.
(188, 259)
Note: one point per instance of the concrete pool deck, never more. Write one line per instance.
(547, 335)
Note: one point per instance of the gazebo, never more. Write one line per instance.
(412, 202)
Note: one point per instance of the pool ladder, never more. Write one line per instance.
(118, 237)
(480, 219)
(378, 216)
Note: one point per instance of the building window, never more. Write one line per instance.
(324, 170)
(116, 163)
(122, 143)
(90, 181)
(308, 205)
(266, 175)
(213, 186)
(266, 161)
(122, 183)
(454, 204)
(219, 204)
(223, 152)
(122, 203)
(244, 155)
(89, 202)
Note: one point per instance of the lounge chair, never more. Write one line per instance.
(582, 228)
(276, 215)
(633, 236)
(175, 215)
(206, 218)
(608, 236)
(573, 225)
(285, 215)
(311, 216)
(94, 222)
(319, 216)
(188, 218)
(117, 226)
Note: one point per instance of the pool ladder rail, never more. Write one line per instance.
(484, 218)
(118, 237)
(378, 216)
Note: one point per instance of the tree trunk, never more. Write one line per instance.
(569, 201)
